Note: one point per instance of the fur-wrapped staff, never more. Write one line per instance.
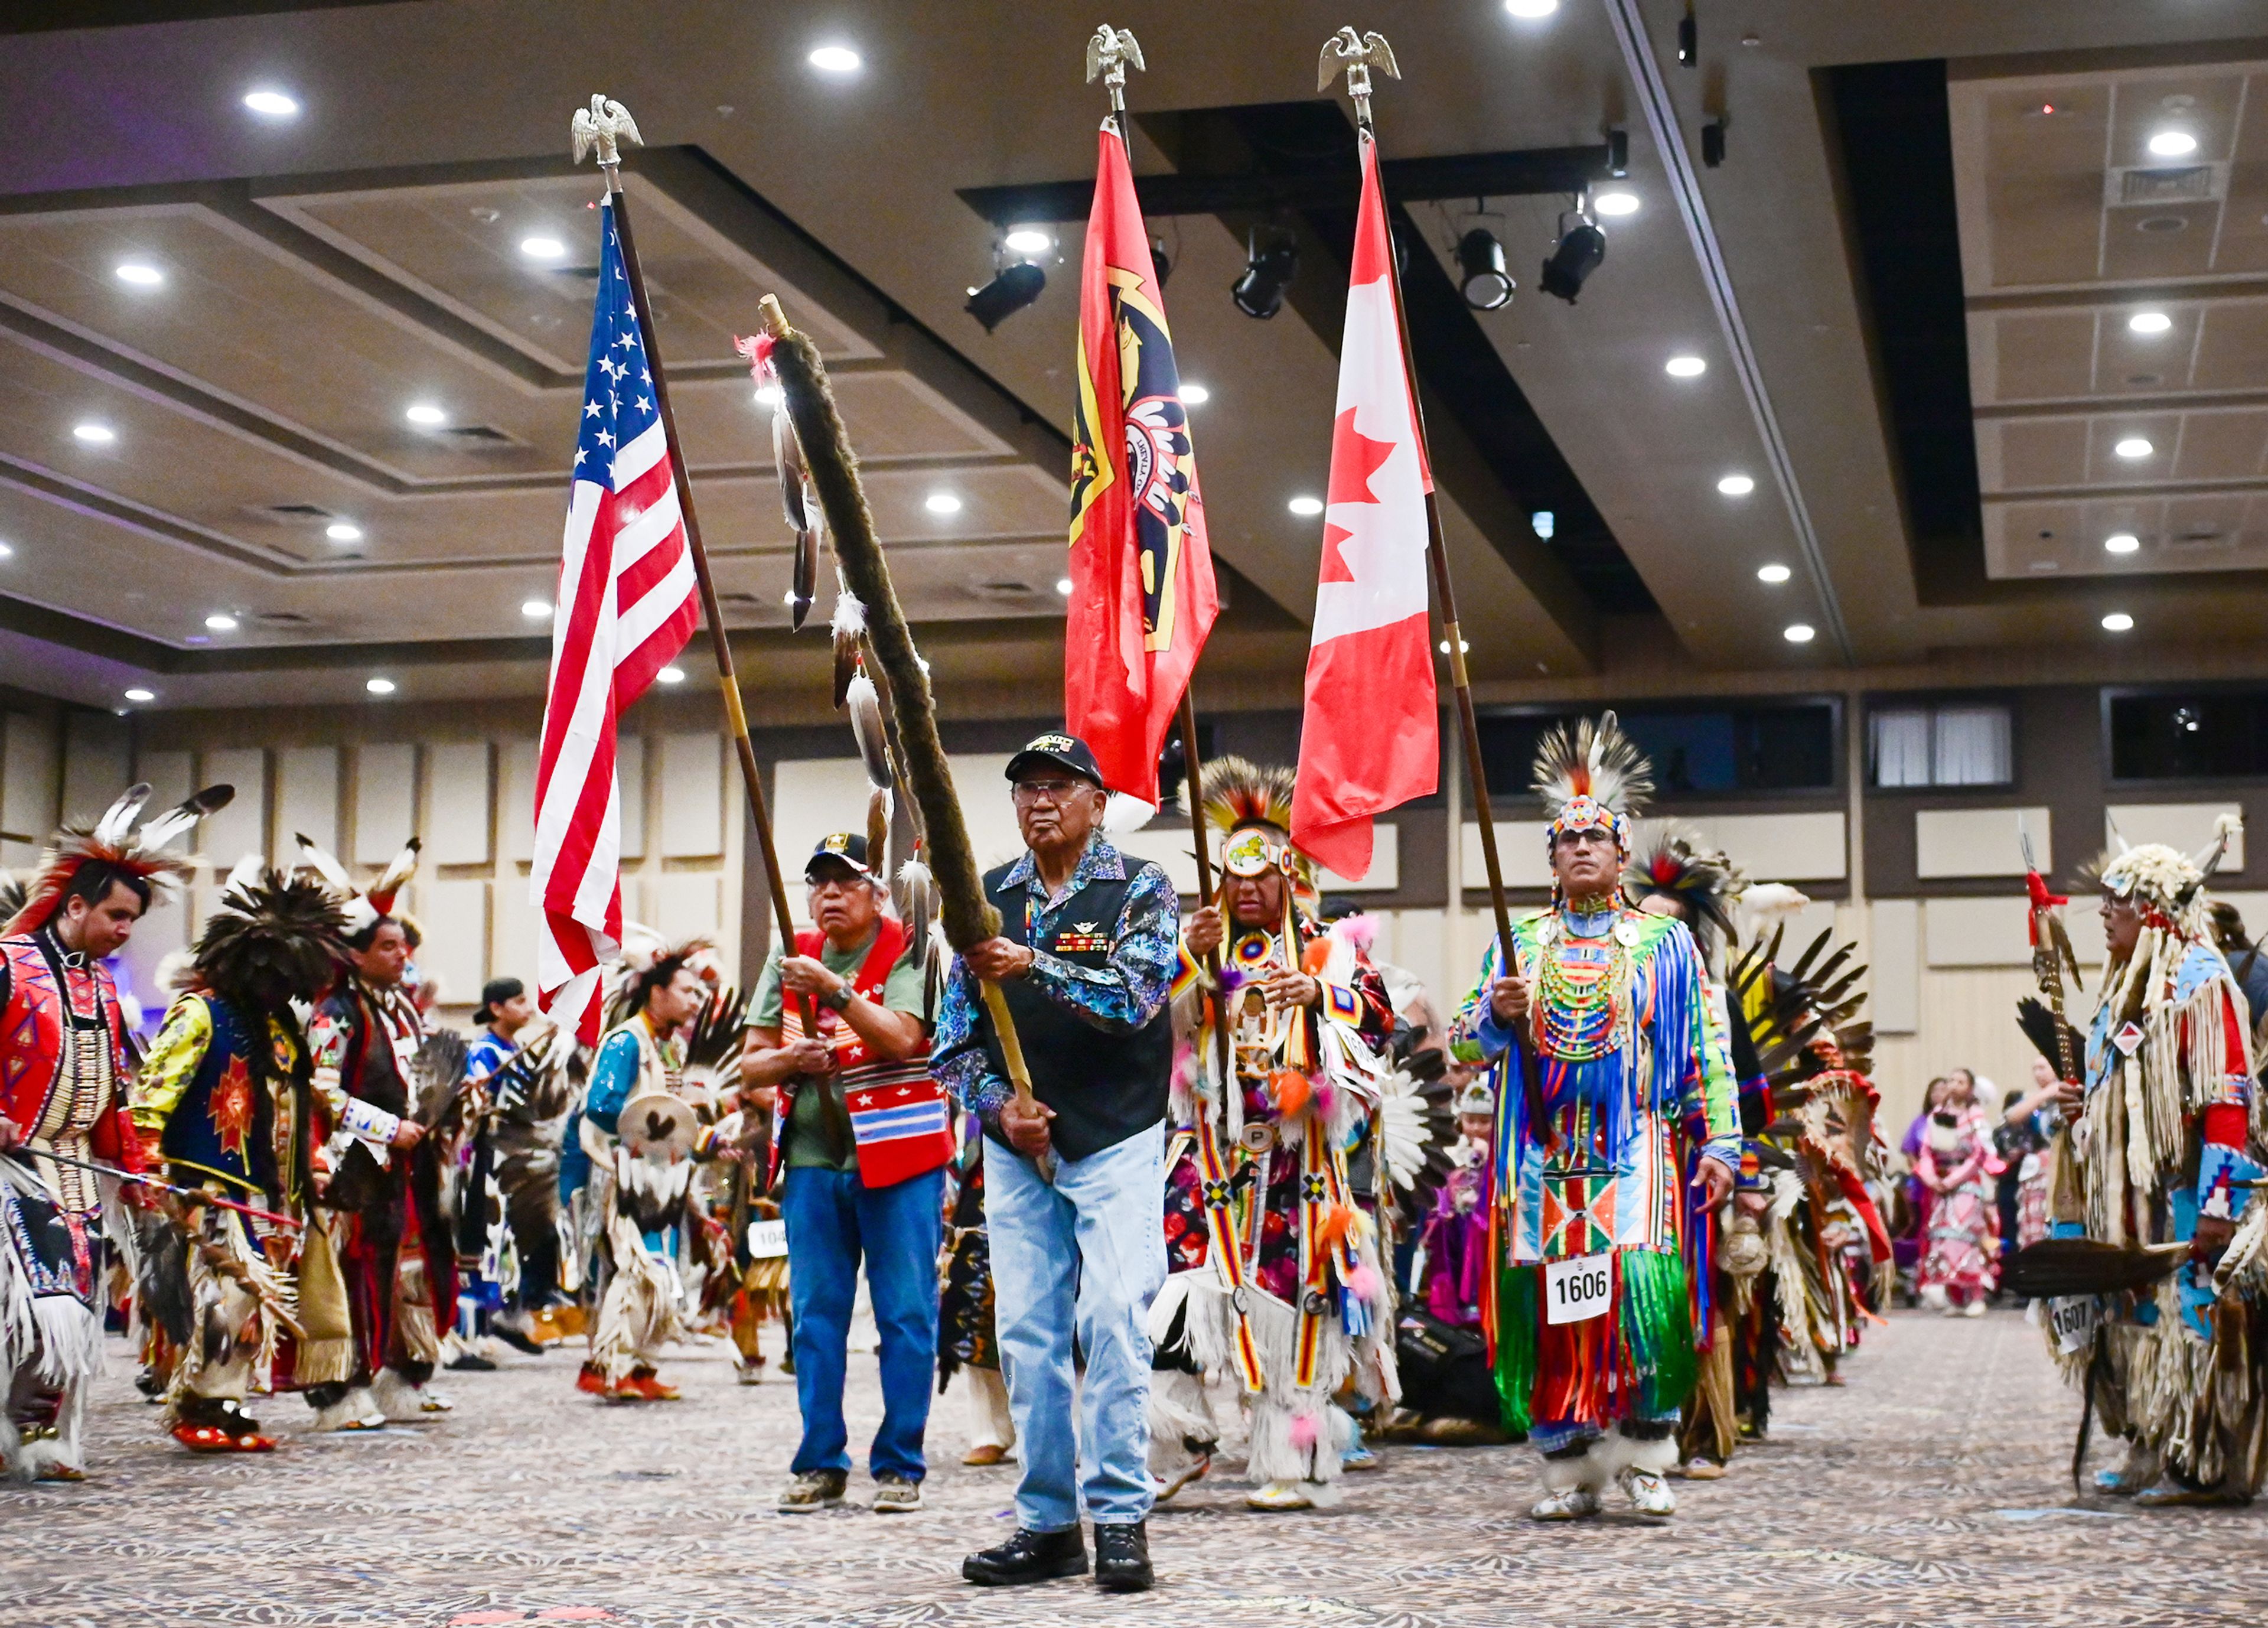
(810, 402)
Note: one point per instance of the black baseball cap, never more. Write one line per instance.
(1063, 751)
(844, 848)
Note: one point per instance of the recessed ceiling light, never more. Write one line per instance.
(2121, 542)
(140, 274)
(94, 434)
(272, 104)
(1029, 240)
(426, 413)
(1063, 585)
(671, 676)
(836, 59)
(1531, 8)
(1544, 523)
(221, 622)
(534, 609)
(1616, 203)
(1799, 633)
(2117, 622)
(1773, 574)
(1685, 367)
(1736, 486)
(139, 693)
(7, 551)
(769, 395)
(378, 686)
(1193, 395)
(2149, 322)
(343, 531)
(1306, 506)
(942, 502)
(2173, 143)
(543, 248)
(2133, 446)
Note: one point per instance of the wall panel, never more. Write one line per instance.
(384, 801)
(307, 799)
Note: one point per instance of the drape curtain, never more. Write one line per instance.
(1900, 745)
(1944, 746)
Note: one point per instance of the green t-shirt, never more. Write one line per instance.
(806, 1146)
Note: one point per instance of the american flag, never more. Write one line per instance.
(627, 604)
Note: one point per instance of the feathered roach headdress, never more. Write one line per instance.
(360, 906)
(1680, 866)
(1251, 807)
(274, 939)
(2164, 880)
(1592, 778)
(113, 840)
(643, 950)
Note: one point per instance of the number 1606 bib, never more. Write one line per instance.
(1579, 1290)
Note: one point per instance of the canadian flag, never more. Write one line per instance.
(1370, 741)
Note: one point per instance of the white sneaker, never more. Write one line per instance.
(1649, 1494)
(1567, 1504)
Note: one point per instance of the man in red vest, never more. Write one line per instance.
(863, 1133)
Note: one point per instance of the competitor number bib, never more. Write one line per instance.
(2071, 1320)
(1579, 1290)
(767, 1239)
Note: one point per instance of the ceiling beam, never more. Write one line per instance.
(1324, 186)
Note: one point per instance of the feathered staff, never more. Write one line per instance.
(969, 917)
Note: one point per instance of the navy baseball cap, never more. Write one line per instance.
(844, 847)
(1063, 751)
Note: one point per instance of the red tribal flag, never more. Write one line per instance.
(628, 601)
(1370, 740)
(1142, 594)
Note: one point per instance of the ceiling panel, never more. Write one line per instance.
(461, 244)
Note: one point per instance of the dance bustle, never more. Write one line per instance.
(2057, 1267)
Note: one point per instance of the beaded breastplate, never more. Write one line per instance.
(1583, 986)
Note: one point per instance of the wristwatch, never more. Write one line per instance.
(838, 999)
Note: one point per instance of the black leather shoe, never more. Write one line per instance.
(1030, 1557)
(1121, 1559)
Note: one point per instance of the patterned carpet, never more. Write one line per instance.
(1931, 1489)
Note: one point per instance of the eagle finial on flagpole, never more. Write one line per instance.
(1358, 54)
(1108, 53)
(603, 125)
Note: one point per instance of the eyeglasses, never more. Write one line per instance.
(1047, 790)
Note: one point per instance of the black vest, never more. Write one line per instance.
(1104, 1086)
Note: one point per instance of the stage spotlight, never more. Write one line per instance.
(1005, 294)
(1581, 247)
(1480, 270)
(1688, 39)
(1160, 260)
(1712, 140)
(1269, 265)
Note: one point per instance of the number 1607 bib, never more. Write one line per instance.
(1579, 1290)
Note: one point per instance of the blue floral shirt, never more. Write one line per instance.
(1117, 998)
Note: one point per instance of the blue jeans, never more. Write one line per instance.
(1087, 1253)
(832, 1217)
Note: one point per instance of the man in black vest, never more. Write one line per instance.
(1088, 946)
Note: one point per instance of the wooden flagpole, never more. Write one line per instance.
(1109, 53)
(605, 124)
(1359, 57)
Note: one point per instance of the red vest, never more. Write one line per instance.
(898, 1115)
(31, 1048)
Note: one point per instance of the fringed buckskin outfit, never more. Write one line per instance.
(2172, 1132)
